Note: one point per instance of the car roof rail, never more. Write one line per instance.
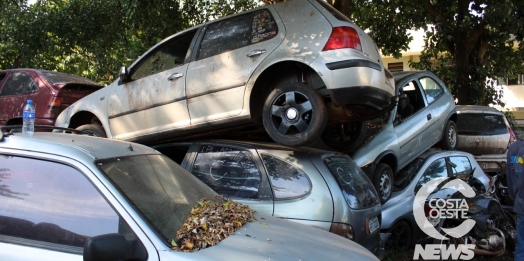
(18, 128)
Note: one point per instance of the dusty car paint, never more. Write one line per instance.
(229, 89)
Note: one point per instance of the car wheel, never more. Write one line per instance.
(383, 181)
(92, 130)
(449, 138)
(294, 114)
(345, 137)
(401, 237)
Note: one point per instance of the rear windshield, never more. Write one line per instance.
(481, 124)
(334, 11)
(355, 185)
(56, 77)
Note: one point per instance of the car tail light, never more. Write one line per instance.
(343, 37)
(53, 109)
(512, 137)
(342, 229)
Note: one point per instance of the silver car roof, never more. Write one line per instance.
(476, 109)
(73, 145)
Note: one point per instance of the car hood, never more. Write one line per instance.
(270, 238)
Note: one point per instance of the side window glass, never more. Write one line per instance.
(18, 83)
(51, 202)
(229, 171)
(287, 180)
(431, 88)
(460, 166)
(437, 169)
(237, 32)
(168, 56)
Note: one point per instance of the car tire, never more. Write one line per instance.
(92, 130)
(383, 181)
(449, 137)
(345, 137)
(294, 114)
(401, 237)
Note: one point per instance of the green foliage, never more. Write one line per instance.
(94, 38)
(466, 42)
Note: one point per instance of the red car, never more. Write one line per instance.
(51, 93)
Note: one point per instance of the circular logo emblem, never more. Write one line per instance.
(452, 207)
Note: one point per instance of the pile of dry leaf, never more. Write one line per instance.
(210, 221)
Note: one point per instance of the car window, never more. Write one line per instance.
(51, 202)
(229, 171)
(158, 188)
(461, 166)
(437, 169)
(404, 177)
(171, 54)
(236, 32)
(431, 88)
(481, 124)
(287, 180)
(18, 83)
(355, 185)
(56, 77)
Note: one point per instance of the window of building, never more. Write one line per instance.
(396, 67)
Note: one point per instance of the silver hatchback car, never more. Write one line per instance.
(314, 187)
(74, 197)
(399, 228)
(291, 69)
(424, 116)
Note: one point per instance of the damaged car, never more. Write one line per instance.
(314, 187)
(297, 70)
(424, 117)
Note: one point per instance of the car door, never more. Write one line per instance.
(14, 94)
(49, 209)
(229, 51)
(154, 100)
(410, 129)
(234, 172)
(437, 109)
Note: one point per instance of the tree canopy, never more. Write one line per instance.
(466, 41)
(94, 38)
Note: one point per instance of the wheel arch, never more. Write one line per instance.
(389, 158)
(85, 117)
(291, 71)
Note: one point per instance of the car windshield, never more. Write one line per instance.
(355, 185)
(481, 124)
(56, 77)
(404, 177)
(158, 188)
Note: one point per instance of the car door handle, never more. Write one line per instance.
(175, 76)
(256, 52)
(429, 117)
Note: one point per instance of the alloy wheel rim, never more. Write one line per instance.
(291, 113)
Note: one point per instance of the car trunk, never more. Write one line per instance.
(482, 133)
(67, 94)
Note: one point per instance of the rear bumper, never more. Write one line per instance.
(492, 163)
(356, 80)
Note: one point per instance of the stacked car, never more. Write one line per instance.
(286, 108)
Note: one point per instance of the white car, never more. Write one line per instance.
(292, 69)
(73, 197)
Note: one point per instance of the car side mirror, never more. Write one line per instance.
(124, 76)
(109, 247)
